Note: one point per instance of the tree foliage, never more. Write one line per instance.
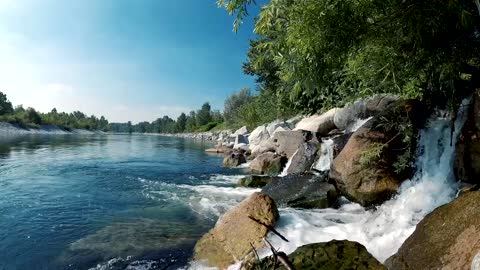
(316, 54)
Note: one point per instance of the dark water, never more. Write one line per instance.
(108, 202)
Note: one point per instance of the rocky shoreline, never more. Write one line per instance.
(358, 152)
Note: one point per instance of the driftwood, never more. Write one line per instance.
(270, 228)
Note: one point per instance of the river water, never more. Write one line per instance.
(108, 201)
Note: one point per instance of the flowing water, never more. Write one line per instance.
(108, 202)
(383, 230)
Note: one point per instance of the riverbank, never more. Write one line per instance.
(8, 129)
(336, 176)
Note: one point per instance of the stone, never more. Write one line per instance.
(287, 142)
(292, 122)
(234, 159)
(241, 146)
(467, 158)
(331, 255)
(234, 233)
(362, 109)
(219, 149)
(240, 139)
(321, 124)
(302, 160)
(268, 163)
(241, 131)
(447, 238)
(275, 125)
(302, 191)
(258, 136)
(265, 146)
(255, 181)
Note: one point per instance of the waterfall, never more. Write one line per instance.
(383, 230)
(326, 155)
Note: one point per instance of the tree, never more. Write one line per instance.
(32, 116)
(181, 122)
(233, 103)
(5, 105)
(204, 115)
(191, 123)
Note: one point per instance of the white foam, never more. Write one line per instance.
(356, 125)
(225, 179)
(326, 155)
(382, 231)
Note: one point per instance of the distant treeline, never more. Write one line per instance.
(31, 118)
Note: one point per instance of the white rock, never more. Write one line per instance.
(322, 124)
(241, 131)
(276, 124)
(258, 135)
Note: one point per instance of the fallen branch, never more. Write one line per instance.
(280, 256)
(270, 228)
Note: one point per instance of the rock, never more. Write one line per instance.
(302, 159)
(268, 163)
(240, 139)
(258, 136)
(364, 171)
(292, 122)
(447, 238)
(302, 191)
(241, 131)
(241, 146)
(362, 109)
(467, 159)
(219, 149)
(321, 124)
(265, 146)
(231, 238)
(287, 142)
(331, 255)
(275, 125)
(255, 181)
(234, 159)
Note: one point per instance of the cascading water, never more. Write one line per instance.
(383, 230)
(326, 156)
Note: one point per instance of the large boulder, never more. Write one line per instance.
(321, 124)
(273, 126)
(302, 159)
(258, 135)
(366, 171)
(302, 191)
(362, 109)
(447, 238)
(241, 131)
(331, 255)
(287, 142)
(467, 160)
(268, 163)
(234, 159)
(264, 146)
(231, 238)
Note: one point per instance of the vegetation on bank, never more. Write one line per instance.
(30, 118)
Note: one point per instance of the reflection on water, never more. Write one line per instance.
(73, 201)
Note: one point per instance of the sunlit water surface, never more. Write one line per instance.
(108, 201)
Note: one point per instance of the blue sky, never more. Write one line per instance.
(124, 59)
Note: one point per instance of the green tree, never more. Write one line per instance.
(5, 105)
(181, 122)
(32, 116)
(191, 123)
(204, 115)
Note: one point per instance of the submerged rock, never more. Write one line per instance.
(331, 255)
(219, 149)
(231, 238)
(234, 159)
(255, 181)
(447, 238)
(321, 124)
(302, 191)
(268, 163)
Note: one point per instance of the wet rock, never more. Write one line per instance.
(302, 191)
(364, 171)
(219, 149)
(268, 163)
(362, 109)
(302, 160)
(321, 124)
(447, 238)
(255, 181)
(234, 159)
(231, 238)
(331, 255)
(287, 142)
(467, 159)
